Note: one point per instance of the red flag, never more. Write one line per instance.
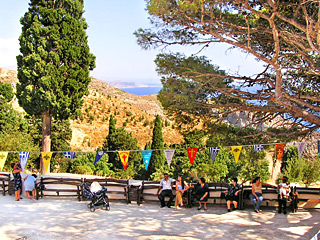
(124, 156)
(192, 152)
(279, 150)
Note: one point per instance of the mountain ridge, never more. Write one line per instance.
(135, 113)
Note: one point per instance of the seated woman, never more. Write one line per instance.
(181, 187)
(233, 194)
(256, 196)
(202, 193)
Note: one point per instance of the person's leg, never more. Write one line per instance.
(161, 198)
(19, 196)
(235, 204)
(260, 199)
(179, 197)
(200, 206)
(33, 194)
(229, 205)
(284, 203)
(171, 197)
(254, 200)
(28, 194)
(280, 205)
(205, 206)
(16, 195)
(176, 201)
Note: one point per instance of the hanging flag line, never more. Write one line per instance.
(146, 154)
(139, 150)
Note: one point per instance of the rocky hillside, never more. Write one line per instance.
(134, 113)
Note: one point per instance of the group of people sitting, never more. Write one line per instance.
(165, 190)
(231, 194)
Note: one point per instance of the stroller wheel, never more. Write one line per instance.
(89, 205)
(92, 209)
(107, 207)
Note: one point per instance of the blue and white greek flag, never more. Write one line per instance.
(213, 153)
(69, 154)
(24, 156)
(258, 147)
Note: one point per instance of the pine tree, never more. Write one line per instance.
(54, 64)
(158, 160)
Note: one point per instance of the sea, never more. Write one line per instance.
(140, 91)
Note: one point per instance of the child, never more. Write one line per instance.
(29, 184)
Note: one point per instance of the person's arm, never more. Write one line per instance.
(206, 194)
(172, 182)
(160, 187)
(25, 178)
(177, 188)
(238, 190)
(186, 185)
(17, 170)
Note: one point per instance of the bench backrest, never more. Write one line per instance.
(5, 176)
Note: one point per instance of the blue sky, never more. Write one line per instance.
(111, 26)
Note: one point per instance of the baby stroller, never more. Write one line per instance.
(97, 198)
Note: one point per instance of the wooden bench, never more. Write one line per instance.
(5, 180)
(215, 190)
(62, 187)
(308, 197)
(117, 188)
(149, 188)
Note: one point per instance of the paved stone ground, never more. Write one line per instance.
(53, 218)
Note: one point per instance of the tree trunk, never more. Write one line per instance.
(46, 139)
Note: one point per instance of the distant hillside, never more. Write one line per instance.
(135, 113)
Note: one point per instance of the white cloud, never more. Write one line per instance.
(9, 49)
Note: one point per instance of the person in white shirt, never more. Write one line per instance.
(166, 190)
(284, 190)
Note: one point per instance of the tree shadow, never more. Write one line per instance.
(61, 218)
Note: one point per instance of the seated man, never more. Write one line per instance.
(166, 190)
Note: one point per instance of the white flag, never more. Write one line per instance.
(169, 155)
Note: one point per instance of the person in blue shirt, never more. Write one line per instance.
(29, 185)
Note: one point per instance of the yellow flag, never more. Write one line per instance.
(124, 156)
(3, 158)
(236, 152)
(46, 157)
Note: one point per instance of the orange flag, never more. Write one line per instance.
(192, 152)
(279, 150)
(124, 156)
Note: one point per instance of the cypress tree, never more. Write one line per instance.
(158, 159)
(119, 140)
(54, 64)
